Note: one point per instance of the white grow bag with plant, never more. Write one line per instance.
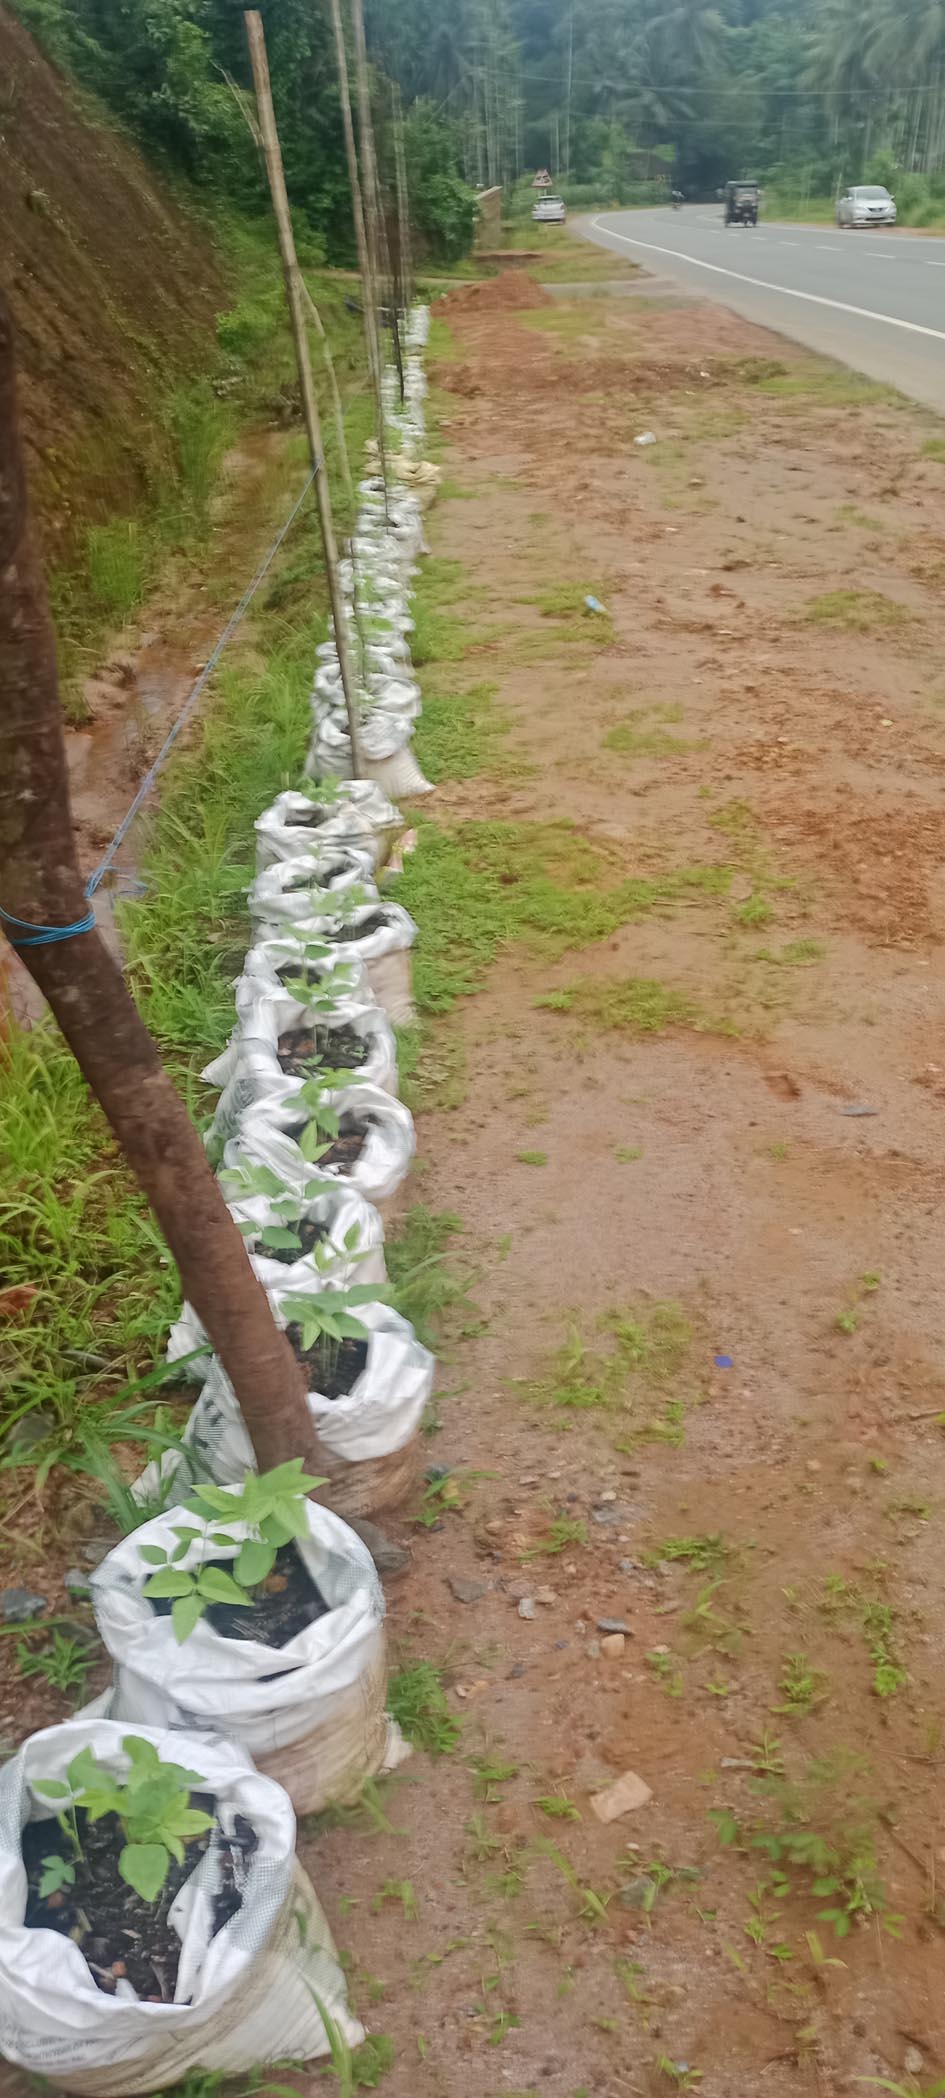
(282, 893)
(309, 1708)
(356, 813)
(353, 1033)
(326, 1231)
(376, 937)
(271, 1132)
(247, 1989)
(385, 751)
(369, 1435)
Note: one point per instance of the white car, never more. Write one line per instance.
(549, 211)
(868, 205)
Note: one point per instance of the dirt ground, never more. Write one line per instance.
(742, 1202)
(700, 1191)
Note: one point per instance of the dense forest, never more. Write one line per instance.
(617, 97)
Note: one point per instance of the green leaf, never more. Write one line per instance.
(144, 1866)
(185, 1614)
(152, 1554)
(171, 1581)
(57, 1873)
(254, 1561)
(51, 1788)
(280, 1239)
(218, 1586)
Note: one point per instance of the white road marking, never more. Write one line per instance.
(812, 298)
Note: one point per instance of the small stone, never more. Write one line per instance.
(913, 2061)
(604, 1516)
(389, 1558)
(529, 1479)
(494, 1528)
(612, 1624)
(75, 1582)
(26, 1433)
(608, 1496)
(813, 1464)
(436, 1472)
(97, 1549)
(633, 1896)
(517, 1670)
(624, 1796)
(613, 1646)
(592, 1649)
(467, 1591)
(19, 1604)
(547, 1596)
(528, 1608)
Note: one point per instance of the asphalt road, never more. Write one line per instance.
(875, 301)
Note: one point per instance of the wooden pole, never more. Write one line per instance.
(294, 296)
(42, 887)
(368, 289)
(372, 193)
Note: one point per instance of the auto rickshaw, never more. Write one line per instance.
(741, 203)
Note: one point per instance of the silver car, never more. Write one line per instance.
(549, 211)
(868, 205)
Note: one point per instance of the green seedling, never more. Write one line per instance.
(704, 1554)
(490, 1771)
(152, 1806)
(564, 1531)
(483, 1845)
(532, 1158)
(440, 1497)
(627, 1154)
(64, 1663)
(592, 1906)
(821, 1837)
(325, 1320)
(666, 1671)
(889, 1675)
(271, 1506)
(557, 1806)
(57, 1874)
(802, 1686)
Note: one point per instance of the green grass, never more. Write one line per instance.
(934, 448)
(645, 735)
(480, 887)
(644, 1353)
(532, 1158)
(859, 611)
(417, 1700)
(637, 1004)
(461, 734)
(428, 1288)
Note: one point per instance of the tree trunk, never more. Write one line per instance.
(85, 989)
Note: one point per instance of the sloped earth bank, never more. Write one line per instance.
(711, 1359)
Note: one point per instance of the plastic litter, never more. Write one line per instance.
(646, 437)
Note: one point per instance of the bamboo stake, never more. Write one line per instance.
(294, 288)
(376, 230)
(252, 127)
(371, 338)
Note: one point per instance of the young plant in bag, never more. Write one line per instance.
(318, 979)
(152, 1808)
(324, 1120)
(284, 1236)
(271, 1506)
(325, 1320)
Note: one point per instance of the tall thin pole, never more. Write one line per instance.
(371, 339)
(570, 84)
(372, 206)
(294, 295)
(403, 200)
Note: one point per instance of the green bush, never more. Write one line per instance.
(442, 206)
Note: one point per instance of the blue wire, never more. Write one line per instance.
(47, 935)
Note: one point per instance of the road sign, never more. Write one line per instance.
(542, 180)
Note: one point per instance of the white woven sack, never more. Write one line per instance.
(380, 1414)
(322, 1694)
(361, 816)
(387, 757)
(266, 1012)
(281, 894)
(268, 1136)
(246, 1996)
(383, 953)
(342, 1211)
